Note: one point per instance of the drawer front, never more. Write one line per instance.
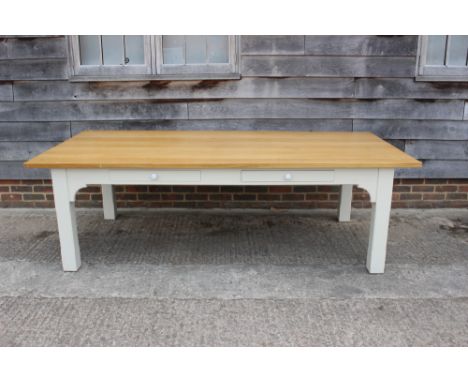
(149, 177)
(288, 176)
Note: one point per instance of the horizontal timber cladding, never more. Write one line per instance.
(50, 69)
(303, 83)
(436, 169)
(20, 151)
(16, 170)
(414, 129)
(275, 108)
(327, 66)
(69, 110)
(218, 124)
(33, 47)
(361, 45)
(245, 88)
(277, 45)
(6, 92)
(41, 131)
(438, 149)
(407, 88)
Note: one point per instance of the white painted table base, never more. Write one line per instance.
(377, 182)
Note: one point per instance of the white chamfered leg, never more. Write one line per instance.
(377, 249)
(66, 220)
(108, 201)
(344, 209)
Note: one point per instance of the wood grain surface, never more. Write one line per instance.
(223, 149)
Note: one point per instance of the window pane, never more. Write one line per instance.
(218, 51)
(457, 51)
(174, 49)
(435, 50)
(196, 49)
(134, 50)
(90, 52)
(112, 50)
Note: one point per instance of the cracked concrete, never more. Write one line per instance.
(241, 278)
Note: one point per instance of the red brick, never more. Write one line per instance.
(265, 197)
(172, 196)
(290, 197)
(433, 196)
(33, 197)
(196, 196)
(11, 197)
(45, 189)
(220, 197)
(136, 188)
(411, 196)
(456, 196)
(422, 188)
(149, 196)
(280, 188)
(317, 196)
(412, 181)
(244, 197)
(207, 188)
(21, 188)
(446, 188)
(160, 188)
(183, 188)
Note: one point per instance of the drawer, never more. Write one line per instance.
(153, 176)
(287, 176)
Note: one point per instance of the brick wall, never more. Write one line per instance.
(407, 193)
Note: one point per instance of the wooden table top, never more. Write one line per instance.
(223, 149)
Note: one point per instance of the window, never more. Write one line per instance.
(443, 58)
(152, 57)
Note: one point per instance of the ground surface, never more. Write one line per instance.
(243, 278)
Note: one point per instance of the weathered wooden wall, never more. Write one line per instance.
(288, 83)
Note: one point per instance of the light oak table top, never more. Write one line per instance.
(223, 149)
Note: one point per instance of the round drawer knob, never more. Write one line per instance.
(154, 176)
(288, 176)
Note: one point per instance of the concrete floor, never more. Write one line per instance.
(234, 278)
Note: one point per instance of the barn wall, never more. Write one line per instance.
(307, 83)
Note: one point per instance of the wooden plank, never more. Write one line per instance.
(438, 149)
(408, 88)
(91, 110)
(310, 66)
(51, 69)
(361, 45)
(33, 47)
(272, 45)
(6, 91)
(223, 149)
(16, 170)
(34, 131)
(244, 88)
(414, 129)
(448, 169)
(218, 124)
(300, 108)
(20, 151)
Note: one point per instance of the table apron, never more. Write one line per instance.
(80, 178)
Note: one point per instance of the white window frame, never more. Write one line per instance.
(153, 68)
(436, 72)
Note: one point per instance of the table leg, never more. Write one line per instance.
(344, 209)
(108, 201)
(377, 249)
(66, 220)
